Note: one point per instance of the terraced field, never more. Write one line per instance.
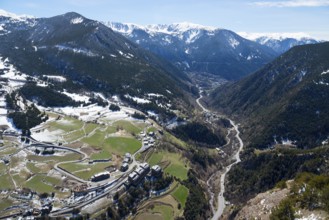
(177, 166)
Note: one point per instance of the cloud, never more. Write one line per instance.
(292, 3)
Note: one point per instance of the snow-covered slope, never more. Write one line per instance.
(13, 16)
(10, 22)
(280, 42)
(187, 31)
(197, 48)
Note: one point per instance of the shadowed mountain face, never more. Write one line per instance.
(88, 53)
(286, 101)
(196, 48)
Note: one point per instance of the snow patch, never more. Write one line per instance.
(55, 78)
(288, 142)
(154, 95)
(233, 42)
(13, 16)
(137, 99)
(46, 135)
(324, 72)
(193, 35)
(312, 216)
(77, 20)
(77, 97)
(76, 50)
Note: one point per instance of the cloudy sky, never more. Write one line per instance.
(309, 16)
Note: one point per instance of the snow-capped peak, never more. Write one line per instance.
(178, 28)
(13, 16)
(186, 31)
(175, 28)
(275, 36)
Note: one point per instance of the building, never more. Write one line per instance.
(126, 160)
(145, 166)
(128, 157)
(133, 178)
(139, 173)
(156, 171)
(124, 167)
(100, 176)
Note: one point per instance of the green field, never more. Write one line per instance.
(177, 167)
(6, 182)
(155, 159)
(74, 135)
(165, 211)
(33, 168)
(67, 157)
(89, 127)
(177, 170)
(96, 140)
(42, 184)
(122, 145)
(66, 124)
(110, 130)
(101, 155)
(172, 139)
(8, 150)
(85, 171)
(128, 126)
(5, 203)
(180, 194)
(151, 129)
(3, 167)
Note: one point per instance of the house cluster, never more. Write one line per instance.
(148, 139)
(138, 174)
(143, 171)
(125, 163)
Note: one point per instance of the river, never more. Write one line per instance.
(218, 212)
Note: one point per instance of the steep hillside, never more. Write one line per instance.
(197, 48)
(87, 52)
(285, 102)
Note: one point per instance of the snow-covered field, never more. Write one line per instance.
(46, 135)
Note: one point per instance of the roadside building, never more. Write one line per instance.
(124, 167)
(100, 176)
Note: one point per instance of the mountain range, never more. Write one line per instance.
(88, 53)
(197, 48)
(285, 102)
(280, 42)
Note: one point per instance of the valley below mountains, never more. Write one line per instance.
(106, 120)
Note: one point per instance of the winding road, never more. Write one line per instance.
(217, 213)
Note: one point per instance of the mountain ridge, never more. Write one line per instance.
(197, 48)
(281, 42)
(92, 57)
(275, 99)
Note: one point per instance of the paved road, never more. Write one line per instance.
(220, 199)
(112, 190)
